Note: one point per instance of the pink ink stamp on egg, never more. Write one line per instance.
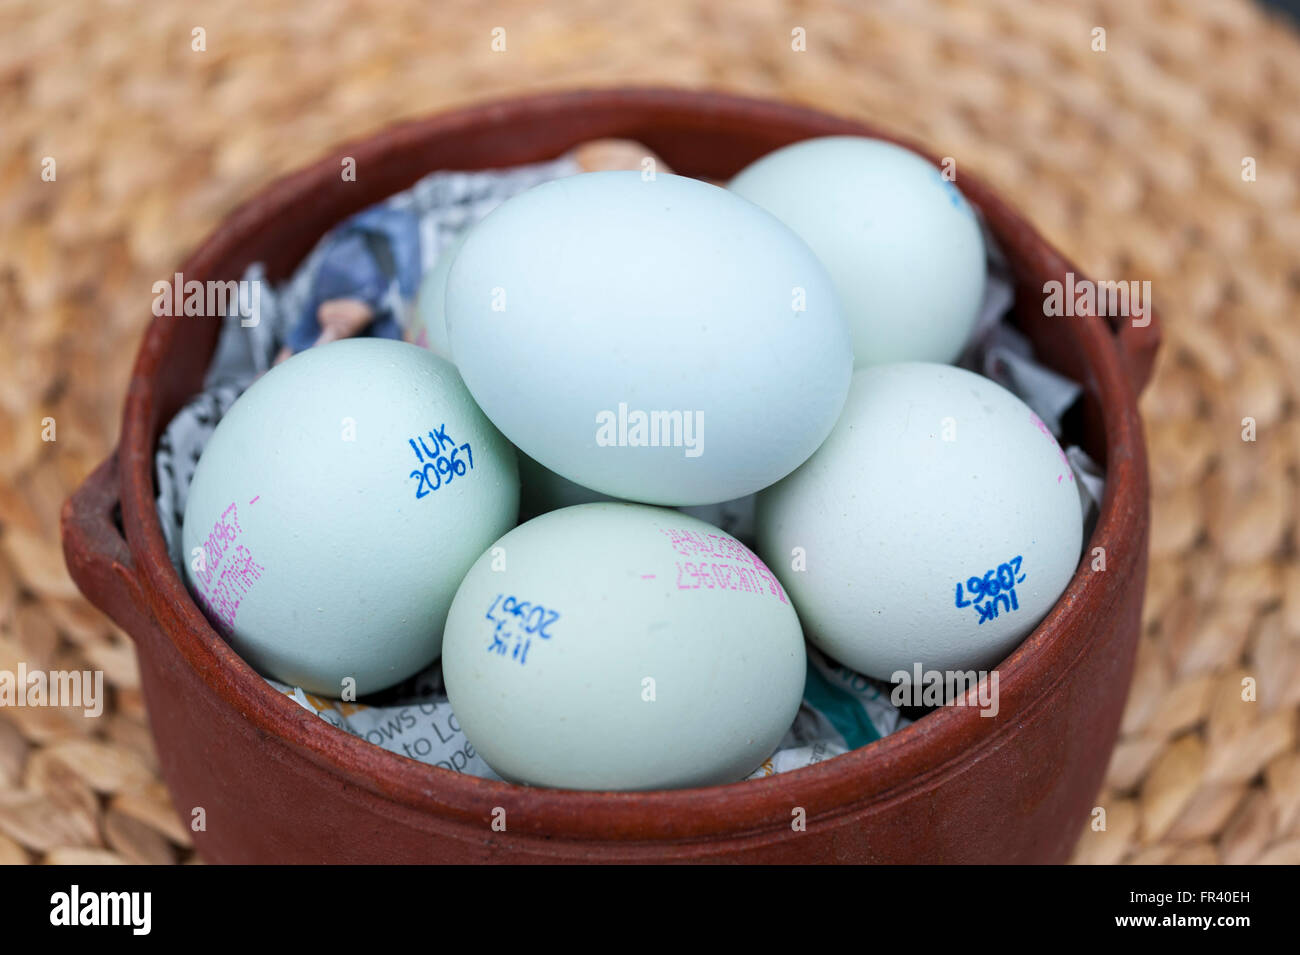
(1038, 423)
(228, 570)
(721, 563)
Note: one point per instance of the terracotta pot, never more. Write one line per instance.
(278, 784)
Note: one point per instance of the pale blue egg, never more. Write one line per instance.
(900, 241)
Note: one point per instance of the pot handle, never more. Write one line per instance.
(97, 554)
(1138, 345)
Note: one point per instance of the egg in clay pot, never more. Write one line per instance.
(626, 647)
(335, 510)
(652, 339)
(936, 526)
(900, 241)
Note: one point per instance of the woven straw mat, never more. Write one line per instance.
(1130, 159)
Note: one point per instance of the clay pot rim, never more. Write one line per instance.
(914, 757)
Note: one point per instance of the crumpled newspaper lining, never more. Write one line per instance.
(842, 710)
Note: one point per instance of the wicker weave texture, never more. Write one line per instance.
(1168, 156)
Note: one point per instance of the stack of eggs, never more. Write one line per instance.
(647, 342)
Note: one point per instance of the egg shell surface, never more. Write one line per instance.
(900, 241)
(542, 490)
(336, 508)
(657, 340)
(622, 647)
(937, 525)
(431, 301)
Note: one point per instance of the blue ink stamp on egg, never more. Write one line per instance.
(515, 623)
(955, 195)
(993, 593)
(440, 464)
